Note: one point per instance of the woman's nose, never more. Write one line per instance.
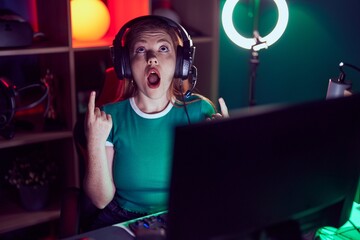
(151, 58)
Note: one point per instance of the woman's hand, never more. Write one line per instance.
(97, 123)
(98, 180)
(223, 109)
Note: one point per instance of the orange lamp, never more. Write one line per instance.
(90, 19)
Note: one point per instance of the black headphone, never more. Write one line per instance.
(184, 54)
(8, 93)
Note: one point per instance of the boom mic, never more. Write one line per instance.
(193, 76)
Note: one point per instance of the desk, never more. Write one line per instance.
(119, 231)
(107, 233)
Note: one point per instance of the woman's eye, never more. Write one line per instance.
(140, 50)
(164, 49)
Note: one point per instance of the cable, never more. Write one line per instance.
(185, 106)
(342, 72)
(327, 233)
(349, 65)
(193, 75)
(356, 228)
(36, 102)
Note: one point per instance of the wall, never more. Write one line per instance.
(320, 34)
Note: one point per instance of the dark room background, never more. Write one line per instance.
(320, 34)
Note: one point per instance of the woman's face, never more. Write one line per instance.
(153, 59)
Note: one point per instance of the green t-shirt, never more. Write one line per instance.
(143, 150)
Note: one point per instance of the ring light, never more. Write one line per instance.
(248, 43)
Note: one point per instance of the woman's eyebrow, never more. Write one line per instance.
(164, 40)
(143, 41)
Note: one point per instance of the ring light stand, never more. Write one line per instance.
(257, 42)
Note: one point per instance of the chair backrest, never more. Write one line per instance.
(112, 89)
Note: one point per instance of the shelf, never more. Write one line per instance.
(21, 139)
(13, 216)
(104, 42)
(33, 50)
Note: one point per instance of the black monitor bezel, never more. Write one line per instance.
(201, 197)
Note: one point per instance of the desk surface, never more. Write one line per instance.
(121, 231)
(106, 233)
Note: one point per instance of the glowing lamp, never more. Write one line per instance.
(256, 42)
(248, 43)
(90, 19)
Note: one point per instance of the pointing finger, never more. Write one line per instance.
(91, 104)
(223, 108)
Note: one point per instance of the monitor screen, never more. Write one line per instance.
(282, 170)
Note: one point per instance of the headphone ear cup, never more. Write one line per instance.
(121, 62)
(179, 63)
(125, 63)
(184, 61)
(117, 62)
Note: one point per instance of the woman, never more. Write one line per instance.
(130, 142)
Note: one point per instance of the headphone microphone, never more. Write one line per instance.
(193, 76)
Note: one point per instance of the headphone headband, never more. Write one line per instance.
(184, 54)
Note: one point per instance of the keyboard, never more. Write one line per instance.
(150, 225)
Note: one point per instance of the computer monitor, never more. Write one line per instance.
(283, 170)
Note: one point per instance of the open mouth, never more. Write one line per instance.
(153, 79)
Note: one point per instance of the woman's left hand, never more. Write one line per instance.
(223, 109)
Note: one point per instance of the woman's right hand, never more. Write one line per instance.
(98, 181)
(97, 123)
